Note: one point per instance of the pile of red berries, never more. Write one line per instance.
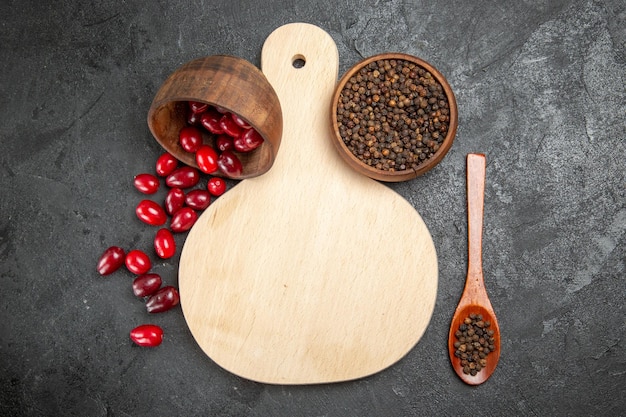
(181, 205)
(231, 132)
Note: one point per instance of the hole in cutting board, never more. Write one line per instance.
(298, 61)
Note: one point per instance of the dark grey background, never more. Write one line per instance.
(541, 90)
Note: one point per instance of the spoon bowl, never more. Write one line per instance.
(474, 299)
(492, 359)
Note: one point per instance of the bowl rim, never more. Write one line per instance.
(205, 79)
(409, 173)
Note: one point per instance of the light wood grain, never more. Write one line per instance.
(311, 273)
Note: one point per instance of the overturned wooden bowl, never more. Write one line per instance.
(378, 117)
(231, 84)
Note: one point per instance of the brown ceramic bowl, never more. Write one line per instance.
(442, 143)
(230, 83)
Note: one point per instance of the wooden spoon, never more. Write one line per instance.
(474, 298)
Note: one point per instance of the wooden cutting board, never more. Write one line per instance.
(310, 273)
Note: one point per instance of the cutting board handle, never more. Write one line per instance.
(309, 85)
(301, 52)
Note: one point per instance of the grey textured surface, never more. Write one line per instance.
(541, 90)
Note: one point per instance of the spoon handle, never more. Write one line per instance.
(476, 169)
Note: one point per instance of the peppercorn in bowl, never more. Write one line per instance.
(394, 117)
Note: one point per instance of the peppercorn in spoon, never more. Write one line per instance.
(474, 339)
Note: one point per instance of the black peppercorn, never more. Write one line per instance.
(396, 97)
(471, 346)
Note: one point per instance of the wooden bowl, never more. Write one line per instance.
(382, 102)
(230, 83)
